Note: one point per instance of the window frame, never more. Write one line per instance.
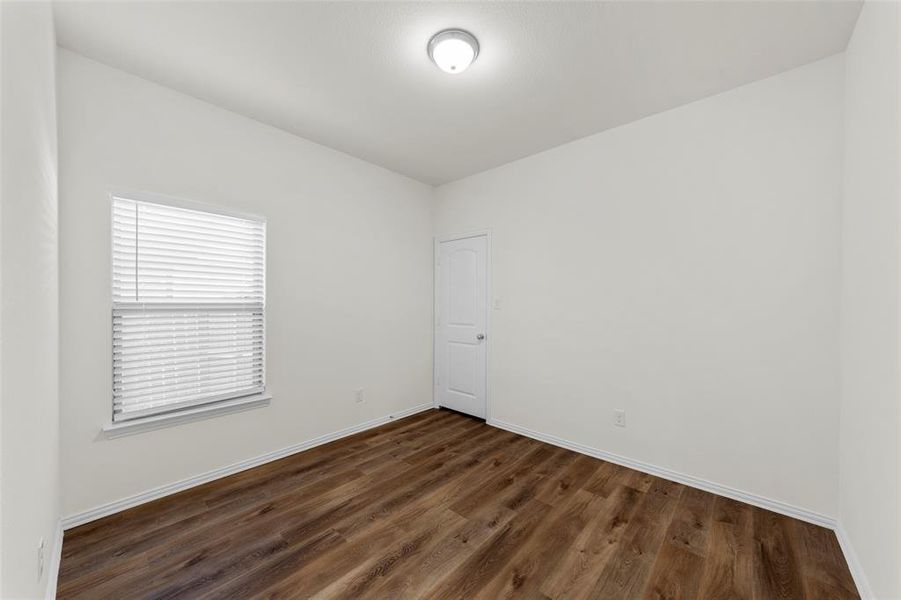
(213, 407)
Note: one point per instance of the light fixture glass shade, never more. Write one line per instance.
(453, 50)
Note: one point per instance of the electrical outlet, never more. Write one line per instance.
(40, 558)
(619, 417)
(358, 395)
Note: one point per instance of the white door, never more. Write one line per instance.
(461, 378)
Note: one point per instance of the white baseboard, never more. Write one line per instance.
(172, 488)
(860, 578)
(760, 501)
(689, 480)
(56, 553)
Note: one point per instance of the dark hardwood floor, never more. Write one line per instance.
(439, 505)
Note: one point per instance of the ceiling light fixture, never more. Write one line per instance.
(453, 50)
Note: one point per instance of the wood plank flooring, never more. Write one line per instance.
(439, 505)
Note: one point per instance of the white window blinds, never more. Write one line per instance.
(188, 307)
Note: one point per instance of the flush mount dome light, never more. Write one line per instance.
(453, 50)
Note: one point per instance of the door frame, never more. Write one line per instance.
(438, 240)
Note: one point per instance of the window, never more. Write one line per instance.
(188, 308)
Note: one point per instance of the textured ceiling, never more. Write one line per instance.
(356, 77)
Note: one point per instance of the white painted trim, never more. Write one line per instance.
(196, 413)
(462, 236)
(689, 480)
(857, 572)
(55, 558)
(262, 398)
(172, 488)
(489, 300)
(436, 290)
(176, 202)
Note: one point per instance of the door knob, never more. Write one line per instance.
(480, 336)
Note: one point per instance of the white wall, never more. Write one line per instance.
(685, 268)
(29, 346)
(690, 268)
(870, 504)
(349, 277)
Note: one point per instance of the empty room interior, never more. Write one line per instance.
(543, 300)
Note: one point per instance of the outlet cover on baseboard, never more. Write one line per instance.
(619, 417)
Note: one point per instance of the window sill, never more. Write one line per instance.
(114, 430)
